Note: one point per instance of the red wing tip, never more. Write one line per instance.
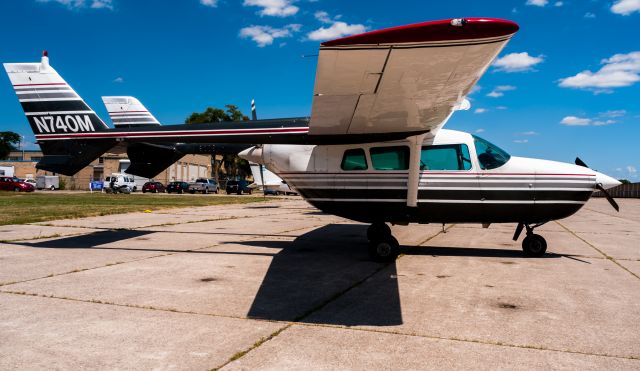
(442, 30)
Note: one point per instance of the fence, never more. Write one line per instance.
(622, 191)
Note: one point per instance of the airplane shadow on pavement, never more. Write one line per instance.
(323, 276)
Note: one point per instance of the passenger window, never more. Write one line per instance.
(354, 159)
(445, 157)
(390, 158)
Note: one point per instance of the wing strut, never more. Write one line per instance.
(415, 143)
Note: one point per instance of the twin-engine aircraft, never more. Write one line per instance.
(373, 149)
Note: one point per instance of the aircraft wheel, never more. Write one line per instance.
(534, 245)
(378, 231)
(384, 250)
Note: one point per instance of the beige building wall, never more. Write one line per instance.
(188, 168)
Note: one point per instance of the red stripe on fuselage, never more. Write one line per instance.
(171, 133)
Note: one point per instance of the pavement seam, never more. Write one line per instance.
(612, 215)
(139, 259)
(611, 258)
(476, 341)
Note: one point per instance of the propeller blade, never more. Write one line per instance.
(579, 162)
(608, 196)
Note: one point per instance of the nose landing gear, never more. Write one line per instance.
(383, 247)
(533, 244)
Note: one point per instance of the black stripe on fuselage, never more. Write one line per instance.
(372, 211)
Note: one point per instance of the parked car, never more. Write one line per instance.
(30, 181)
(204, 186)
(14, 184)
(238, 187)
(119, 180)
(153, 187)
(177, 187)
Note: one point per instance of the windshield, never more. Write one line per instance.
(490, 156)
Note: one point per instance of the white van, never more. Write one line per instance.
(120, 180)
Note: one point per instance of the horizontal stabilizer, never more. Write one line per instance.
(148, 160)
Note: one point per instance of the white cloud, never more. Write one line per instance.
(211, 3)
(517, 62)
(558, 4)
(603, 123)
(589, 15)
(264, 35)
(632, 169)
(626, 7)
(480, 110)
(529, 133)
(336, 30)
(275, 8)
(618, 71)
(118, 79)
(521, 141)
(79, 4)
(613, 113)
(502, 107)
(537, 2)
(322, 16)
(476, 88)
(575, 121)
(498, 91)
(481, 130)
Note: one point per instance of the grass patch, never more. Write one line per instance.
(21, 208)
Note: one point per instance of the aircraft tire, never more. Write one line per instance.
(534, 245)
(384, 250)
(378, 231)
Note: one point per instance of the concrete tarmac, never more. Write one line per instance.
(280, 285)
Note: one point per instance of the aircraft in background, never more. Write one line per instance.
(373, 149)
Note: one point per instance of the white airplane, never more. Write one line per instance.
(373, 149)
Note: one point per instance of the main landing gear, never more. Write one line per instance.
(533, 244)
(383, 247)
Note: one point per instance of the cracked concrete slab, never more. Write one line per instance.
(322, 348)
(466, 298)
(45, 333)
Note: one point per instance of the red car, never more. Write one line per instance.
(14, 184)
(153, 187)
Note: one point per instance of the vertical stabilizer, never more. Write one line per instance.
(50, 104)
(128, 112)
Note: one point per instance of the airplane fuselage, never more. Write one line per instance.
(462, 179)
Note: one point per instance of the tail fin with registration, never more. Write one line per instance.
(55, 111)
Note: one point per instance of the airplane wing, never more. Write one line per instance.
(402, 79)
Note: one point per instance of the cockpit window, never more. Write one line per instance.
(490, 156)
(445, 157)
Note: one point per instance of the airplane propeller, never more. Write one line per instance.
(599, 186)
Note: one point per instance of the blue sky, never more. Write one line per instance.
(567, 85)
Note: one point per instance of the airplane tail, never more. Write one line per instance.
(55, 111)
(128, 112)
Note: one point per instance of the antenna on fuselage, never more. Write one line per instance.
(254, 117)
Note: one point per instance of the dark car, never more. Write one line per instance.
(15, 184)
(178, 187)
(238, 187)
(153, 187)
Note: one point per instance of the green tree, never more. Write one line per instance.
(8, 140)
(624, 181)
(212, 115)
(232, 163)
